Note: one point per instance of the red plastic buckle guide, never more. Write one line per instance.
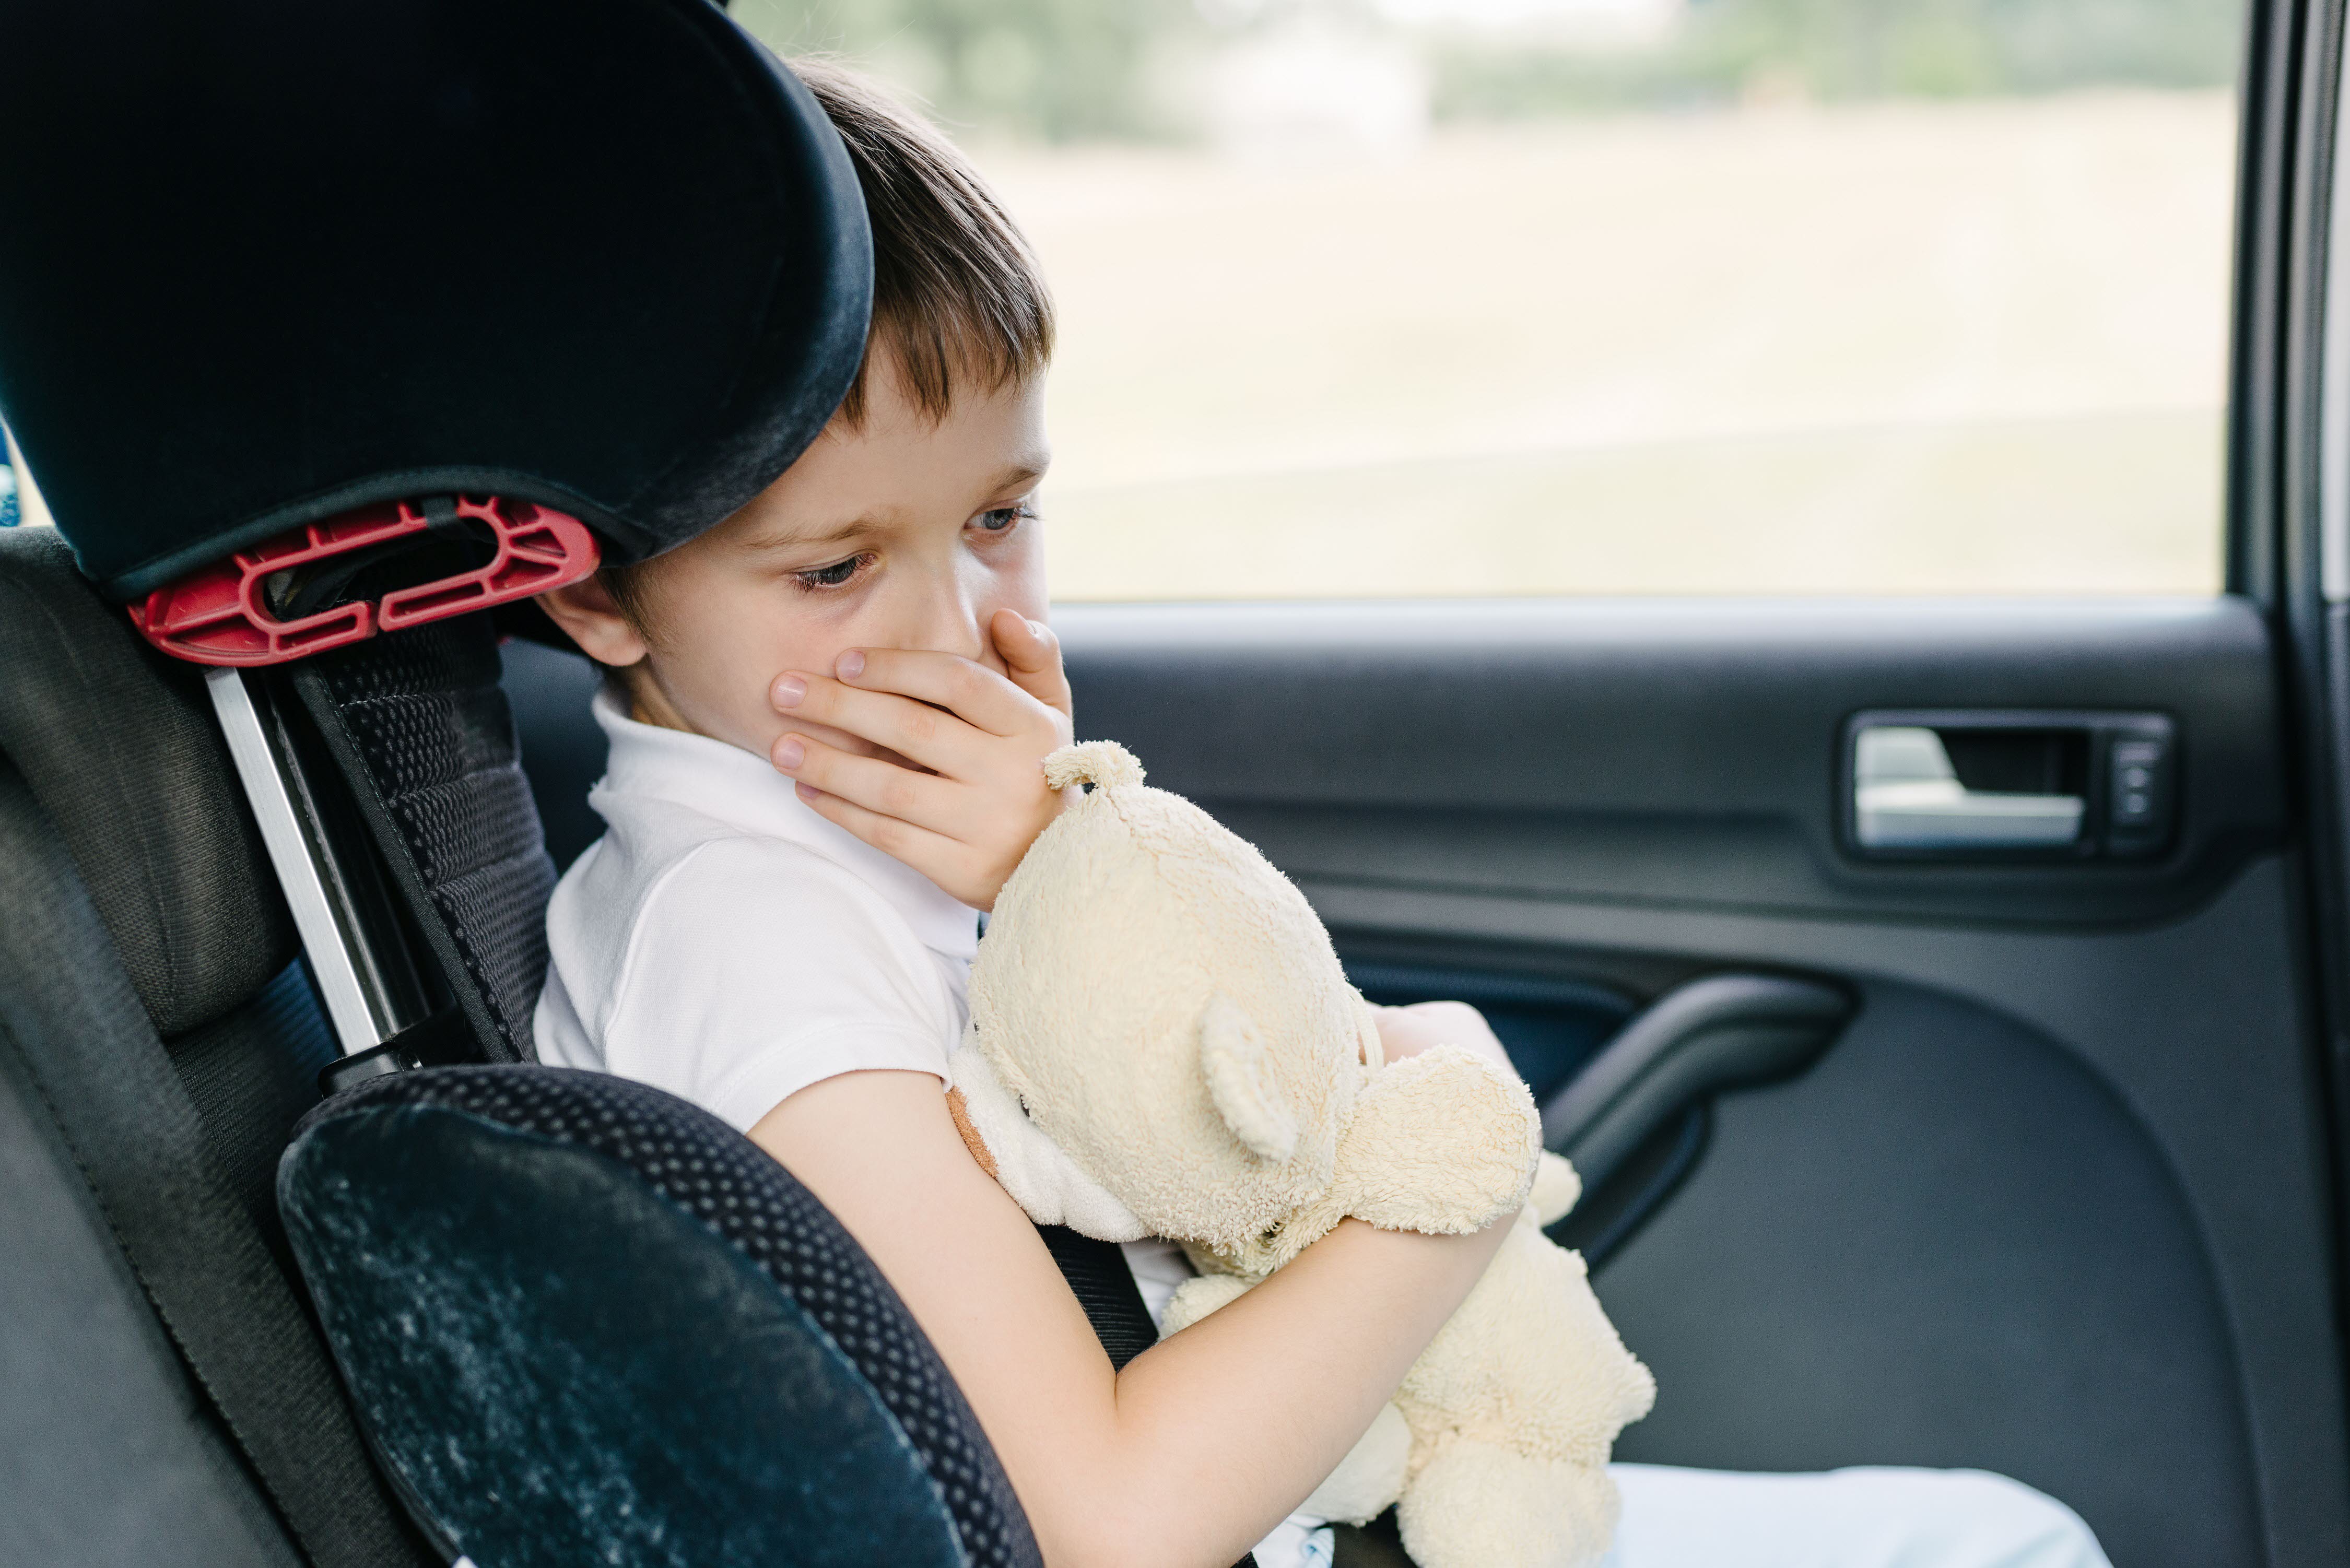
(219, 616)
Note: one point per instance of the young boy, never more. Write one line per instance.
(827, 717)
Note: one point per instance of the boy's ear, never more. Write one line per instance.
(591, 617)
(1233, 1055)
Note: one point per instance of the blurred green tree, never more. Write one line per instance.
(1056, 71)
(1842, 49)
(1071, 71)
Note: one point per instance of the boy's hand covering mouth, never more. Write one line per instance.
(983, 737)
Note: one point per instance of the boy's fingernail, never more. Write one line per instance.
(1036, 629)
(790, 753)
(850, 665)
(789, 689)
(807, 791)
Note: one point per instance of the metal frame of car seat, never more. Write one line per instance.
(362, 1008)
(364, 955)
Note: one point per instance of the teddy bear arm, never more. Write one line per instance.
(1442, 1142)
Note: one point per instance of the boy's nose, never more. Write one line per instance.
(953, 623)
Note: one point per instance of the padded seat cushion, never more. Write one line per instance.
(118, 745)
(587, 1322)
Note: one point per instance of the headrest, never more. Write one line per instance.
(267, 260)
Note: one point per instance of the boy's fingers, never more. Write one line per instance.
(917, 730)
(919, 848)
(972, 693)
(1032, 653)
(918, 800)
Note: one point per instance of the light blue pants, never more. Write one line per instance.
(1861, 1518)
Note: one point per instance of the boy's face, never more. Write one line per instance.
(897, 534)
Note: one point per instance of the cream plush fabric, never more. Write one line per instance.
(1162, 1043)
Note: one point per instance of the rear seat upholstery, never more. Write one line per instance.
(143, 943)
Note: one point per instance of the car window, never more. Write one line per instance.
(19, 502)
(1513, 296)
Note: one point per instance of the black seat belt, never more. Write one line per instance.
(1105, 1287)
(69, 1016)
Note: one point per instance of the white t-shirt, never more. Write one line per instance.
(724, 942)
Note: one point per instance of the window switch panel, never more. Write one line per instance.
(2140, 791)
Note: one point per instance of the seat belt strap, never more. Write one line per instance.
(69, 1014)
(1105, 1287)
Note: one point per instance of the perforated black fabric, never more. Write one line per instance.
(419, 724)
(725, 1181)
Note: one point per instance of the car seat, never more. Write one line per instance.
(326, 332)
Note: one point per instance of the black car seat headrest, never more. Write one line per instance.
(268, 262)
(585, 1322)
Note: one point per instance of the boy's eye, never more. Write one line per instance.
(831, 576)
(996, 519)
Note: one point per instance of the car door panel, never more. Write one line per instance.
(2054, 1205)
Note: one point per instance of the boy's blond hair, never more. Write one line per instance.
(957, 299)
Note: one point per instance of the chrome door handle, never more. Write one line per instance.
(1905, 795)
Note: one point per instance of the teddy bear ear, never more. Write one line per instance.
(1234, 1057)
(1097, 765)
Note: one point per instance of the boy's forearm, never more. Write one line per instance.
(1205, 1441)
(1323, 1342)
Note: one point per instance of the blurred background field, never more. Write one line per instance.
(1479, 296)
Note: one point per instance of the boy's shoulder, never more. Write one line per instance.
(732, 967)
(684, 913)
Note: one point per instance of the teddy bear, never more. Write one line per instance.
(1162, 1043)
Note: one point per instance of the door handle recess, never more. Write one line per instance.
(1651, 1085)
(1907, 795)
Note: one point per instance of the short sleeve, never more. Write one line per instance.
(756, 967)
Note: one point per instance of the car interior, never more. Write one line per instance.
(1943, 1000)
